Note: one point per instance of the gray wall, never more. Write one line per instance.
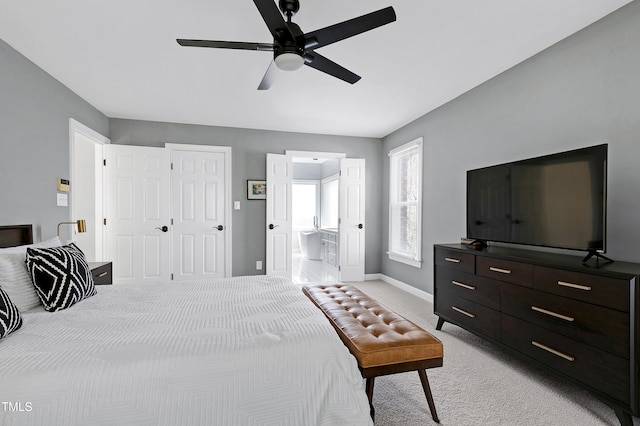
(583, 91)
(34, 141)
(249, 162)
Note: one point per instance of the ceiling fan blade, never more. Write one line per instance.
(269, 76)
(266, 47)
(273, 18)
(350, 28)
(319, 62)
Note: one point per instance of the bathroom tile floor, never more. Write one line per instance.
(306, 271)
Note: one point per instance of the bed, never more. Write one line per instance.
(238, 351)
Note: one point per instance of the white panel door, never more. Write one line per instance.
(198, 185)
(352, 215)
(279, 183)
(137, 206)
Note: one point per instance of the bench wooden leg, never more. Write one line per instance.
(427, 393)
(370, 383)
(624, 417)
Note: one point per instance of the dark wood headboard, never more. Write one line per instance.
(16, 235)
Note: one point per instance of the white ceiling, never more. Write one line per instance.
(122, 57)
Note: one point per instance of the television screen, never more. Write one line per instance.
(558, 200)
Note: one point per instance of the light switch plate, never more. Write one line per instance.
(63, 199)
(236, 205)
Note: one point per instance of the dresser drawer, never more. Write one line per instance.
(504, 270)
(601, 370)
(471, 315)
(477, 289)
(101, 272)
(604, 291)
(464, 262)
(601, 327)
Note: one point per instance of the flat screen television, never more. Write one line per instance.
(557, 200)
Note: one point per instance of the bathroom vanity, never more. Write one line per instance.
(330, 249)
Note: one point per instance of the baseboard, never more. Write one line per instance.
(402, 286)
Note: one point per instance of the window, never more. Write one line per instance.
(405, 203)
(305, 202)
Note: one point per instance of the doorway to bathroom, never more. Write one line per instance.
(343, 243)
(314, 214)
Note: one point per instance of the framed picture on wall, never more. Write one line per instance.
(256, 189)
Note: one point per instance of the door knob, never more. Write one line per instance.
(360, 226)
(164, 228)
(271, 226)
(219, 227)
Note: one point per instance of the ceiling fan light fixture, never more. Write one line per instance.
(289, 61)
(292, 48)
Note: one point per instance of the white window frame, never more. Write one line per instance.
(415, 259)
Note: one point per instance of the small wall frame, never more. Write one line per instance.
(256, 189)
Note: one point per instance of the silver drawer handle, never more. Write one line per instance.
(553, 314)
(571, 285)
(502, 271)
(459, 284)
(450, 259)
(553, 351)
(102, 274)
(463, 312)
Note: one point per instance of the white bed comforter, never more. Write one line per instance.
(240, 351)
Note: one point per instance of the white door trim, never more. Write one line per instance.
(76, 127)
(228, 188)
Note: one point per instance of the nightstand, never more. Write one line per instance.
(101, 272)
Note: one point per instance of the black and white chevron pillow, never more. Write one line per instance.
(10, 318)
(60, 275)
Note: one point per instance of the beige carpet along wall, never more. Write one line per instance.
(249, 162)
(583, 91)
(34, 141)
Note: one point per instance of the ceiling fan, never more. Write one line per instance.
(292, 48)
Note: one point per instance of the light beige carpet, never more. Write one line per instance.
(479, 384)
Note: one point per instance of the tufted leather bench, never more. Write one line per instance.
(382, 341)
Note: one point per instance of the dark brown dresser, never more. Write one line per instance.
(579, 321)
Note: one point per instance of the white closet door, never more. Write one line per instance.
(200, 225)
(279, 183)
(352, 219)
(138, 207)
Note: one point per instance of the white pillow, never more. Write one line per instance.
(53, 242)
(15, 278)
